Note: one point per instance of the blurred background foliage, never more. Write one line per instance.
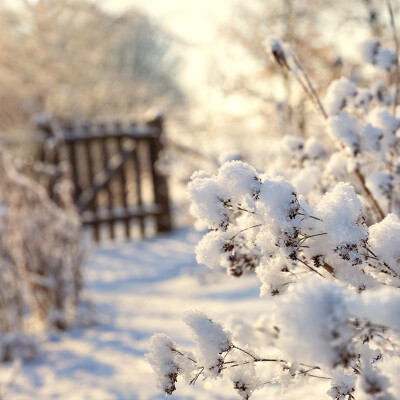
(73, 59)
(325, 36)
(83, 58)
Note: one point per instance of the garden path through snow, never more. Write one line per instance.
(138, 288)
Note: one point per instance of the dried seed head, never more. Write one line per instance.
(278, 53)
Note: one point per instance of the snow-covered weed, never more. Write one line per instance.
(320, 227)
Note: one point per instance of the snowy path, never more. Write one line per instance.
(138, 288)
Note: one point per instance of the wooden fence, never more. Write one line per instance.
(113, 167)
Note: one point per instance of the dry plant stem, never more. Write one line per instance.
(310, 267)
(329, 269)
(313, 96)
(243, 209)
(257, 359)
(311, 90)
(375, 257)
(193, 381)
(245, 229)
(374, 204)
(310, 216)
(311, 236)
(305, 373)
(180, 353)
(308, 94)
(397, 66)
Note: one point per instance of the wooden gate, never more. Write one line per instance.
(115, 176)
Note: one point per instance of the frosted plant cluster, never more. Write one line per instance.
(321, 230)
(360, 144)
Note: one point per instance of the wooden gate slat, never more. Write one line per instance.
(122, 176)
(160, 188)
(105, 155)
(74, 169)
(89, 164)
(138, 187)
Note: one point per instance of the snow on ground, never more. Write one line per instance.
(140, 288)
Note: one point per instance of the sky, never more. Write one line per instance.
(192, 19)
(195, 22)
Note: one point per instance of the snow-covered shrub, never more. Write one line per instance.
(321, 229)
(335, 280)
(41, 257)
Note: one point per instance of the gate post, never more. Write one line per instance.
(160, 185)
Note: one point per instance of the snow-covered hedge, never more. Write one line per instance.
(41, 258)
(321, 229)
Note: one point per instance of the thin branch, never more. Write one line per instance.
(258, 359)
(193, 381)
(372, 257)
(245, 229)
(381, 263)
(310, 216)
(370, 197)
(329, 269)
(309, 95)
(320, 377)
(244, 351)
(317, 234)
(302, 240)
(243, 209)
(183, 355)
(304, 373)
(310, 268)
(309, 370)
(311, 88)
